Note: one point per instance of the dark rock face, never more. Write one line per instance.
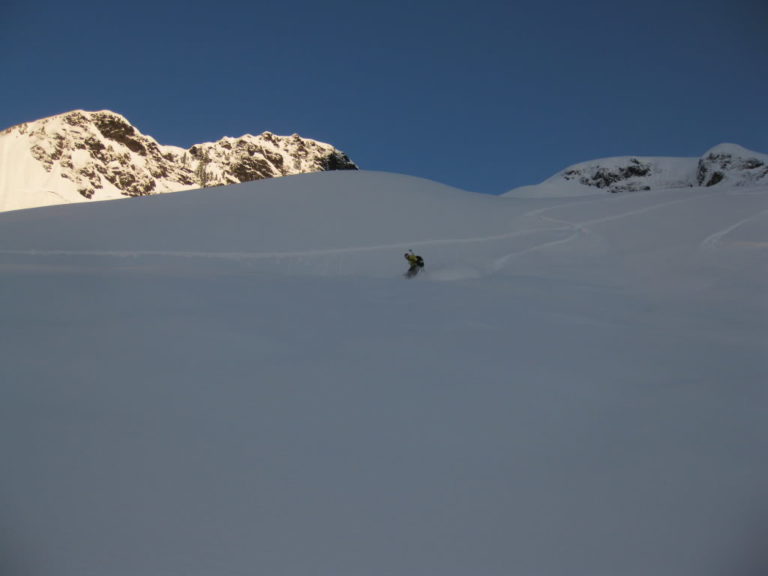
(338, 161)
(118, 130)
(249, 168)
(713, 168)
(615, 179)
(604, 178)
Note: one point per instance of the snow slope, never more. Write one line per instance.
(240, 381)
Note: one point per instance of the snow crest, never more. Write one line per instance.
(724, 164)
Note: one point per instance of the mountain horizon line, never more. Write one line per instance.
(83, 155)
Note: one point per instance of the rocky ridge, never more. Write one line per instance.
(725, 164)
(82, 155)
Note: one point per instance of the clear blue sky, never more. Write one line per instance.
(484, 95)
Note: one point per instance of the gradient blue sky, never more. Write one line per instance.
(484, 95)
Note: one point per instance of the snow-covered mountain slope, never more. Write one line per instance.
(241, 381)
(81, 155)
(723, 165)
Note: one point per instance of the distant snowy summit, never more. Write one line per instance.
(726, 164)
(80, 156)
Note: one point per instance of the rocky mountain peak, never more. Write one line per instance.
(723, 163)
(731, 162)
(82, 155)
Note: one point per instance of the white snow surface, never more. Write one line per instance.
(239, 381)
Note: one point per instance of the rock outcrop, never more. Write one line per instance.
(82, 155)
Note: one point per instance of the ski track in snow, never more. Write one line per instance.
(575, 229)
(301, 253)
(281, 255)
(582, 228)
(714, 240)
(710, 242)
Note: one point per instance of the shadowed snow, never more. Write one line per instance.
(239, 381)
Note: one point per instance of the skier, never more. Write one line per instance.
(416, 263)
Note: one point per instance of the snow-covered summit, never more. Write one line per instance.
(725, 163)
(81, 155)
(732, 164)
